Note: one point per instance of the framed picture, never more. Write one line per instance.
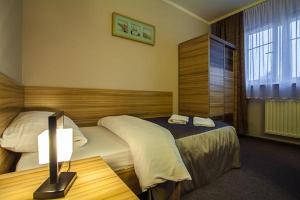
(132, 29)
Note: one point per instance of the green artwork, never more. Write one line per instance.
(132, 29)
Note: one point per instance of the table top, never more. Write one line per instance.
(95, 180)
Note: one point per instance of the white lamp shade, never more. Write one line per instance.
(64, 143)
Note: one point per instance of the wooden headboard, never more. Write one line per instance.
(86, 106)
(11, 103)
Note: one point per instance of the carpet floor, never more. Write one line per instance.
(270, 171)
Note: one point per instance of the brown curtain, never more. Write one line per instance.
(231, 29)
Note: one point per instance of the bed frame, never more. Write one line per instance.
(84, 106)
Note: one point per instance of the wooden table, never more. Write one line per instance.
(95, 180)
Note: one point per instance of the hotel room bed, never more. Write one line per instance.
(206, 152)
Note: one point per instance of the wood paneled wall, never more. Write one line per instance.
(11, 103)
(86, 106)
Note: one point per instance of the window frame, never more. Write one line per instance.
(276, 60)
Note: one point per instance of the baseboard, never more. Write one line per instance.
(265, 138)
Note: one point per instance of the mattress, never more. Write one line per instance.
(101, 142)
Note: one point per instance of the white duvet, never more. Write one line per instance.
(155, 155)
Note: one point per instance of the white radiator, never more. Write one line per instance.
(282, 117)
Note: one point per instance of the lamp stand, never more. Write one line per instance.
(56, 190)
(58, 184)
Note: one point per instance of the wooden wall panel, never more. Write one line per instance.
(11, 103)
(193, 77)
(87, 106)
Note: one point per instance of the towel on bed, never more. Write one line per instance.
(198, 121)
(178, 119)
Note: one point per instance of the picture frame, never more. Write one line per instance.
(132, 29)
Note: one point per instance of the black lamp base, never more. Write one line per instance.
(58, 190)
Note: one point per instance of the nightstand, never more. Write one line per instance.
(95, 180)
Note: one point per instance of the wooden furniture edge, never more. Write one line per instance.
(11, 104)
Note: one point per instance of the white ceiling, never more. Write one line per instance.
(211, 10)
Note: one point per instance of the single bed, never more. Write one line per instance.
(207, 152)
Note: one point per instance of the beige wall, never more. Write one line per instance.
(10, 38)
(69, 43)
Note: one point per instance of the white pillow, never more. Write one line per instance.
(21, 135)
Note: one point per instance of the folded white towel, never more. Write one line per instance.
(198, 121)
(178, 119)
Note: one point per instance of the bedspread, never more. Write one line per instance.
(207, 152)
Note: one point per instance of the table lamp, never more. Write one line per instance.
(55, 146)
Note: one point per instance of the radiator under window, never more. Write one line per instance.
(282, 117)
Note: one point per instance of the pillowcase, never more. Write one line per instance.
(22, 134)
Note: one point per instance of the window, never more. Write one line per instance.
(295, 41)
(272, 49)
(259, 54)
